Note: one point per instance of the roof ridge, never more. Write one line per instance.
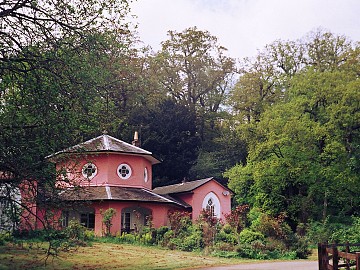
(189, 182)
(129, 144)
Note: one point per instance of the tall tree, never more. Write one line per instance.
(169, 131)
(194, 70)
(49, 80)
(306, 146)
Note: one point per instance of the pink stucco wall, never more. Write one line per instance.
(107, 165)
(196, 198)
(159, 213)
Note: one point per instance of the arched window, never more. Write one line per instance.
(212, 204)
(210, 207)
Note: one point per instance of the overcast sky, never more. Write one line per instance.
(245, 26)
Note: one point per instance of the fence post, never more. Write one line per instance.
(347, 249)
(335, 257)
(320, 256)
(357, 261)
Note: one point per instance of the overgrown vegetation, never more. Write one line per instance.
(260, 237)
(282, 128)
(256, 236)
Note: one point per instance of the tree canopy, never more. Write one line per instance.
(303, 148)
(283, 126)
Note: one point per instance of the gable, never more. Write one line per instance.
(188, 186)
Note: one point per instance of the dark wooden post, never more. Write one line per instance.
(320, 256)
(335, 257)
(357, 261)
(347, 261)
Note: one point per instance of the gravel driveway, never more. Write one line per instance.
(293, 265)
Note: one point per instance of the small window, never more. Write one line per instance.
(89, 170)
(124, 171)
(146, 176)
(210, 207)
(65, 218)
(126, 221)
(88, 220)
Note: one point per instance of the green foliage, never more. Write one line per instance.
(349, 233)
(179, 221)
(126, 238)
(5, 237)
(247, 236)
(238, 217)
(169, 131)
(302, 148)
(107, 216)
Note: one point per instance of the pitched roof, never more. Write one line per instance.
(117, 194)
(106, 143)
(182, 187)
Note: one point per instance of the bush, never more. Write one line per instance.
(319, 232)
(248, 236)
(75, 231)
(5, 237)
(192, 242)
(126, 238)
(224, 236)
(347, 233)
(160, 234)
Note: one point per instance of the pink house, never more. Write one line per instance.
(106, 172)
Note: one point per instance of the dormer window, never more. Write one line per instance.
(89, 171)
(124, 171)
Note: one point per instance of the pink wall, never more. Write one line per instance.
(159, 214)
(196, 199)
(107, 165)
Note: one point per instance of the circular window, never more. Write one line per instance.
(124, 171)
(146, 175)
(89, 170)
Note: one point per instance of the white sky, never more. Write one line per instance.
(246, 26)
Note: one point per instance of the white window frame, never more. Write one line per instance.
(215, 203)
(85, 167)
(128, 175)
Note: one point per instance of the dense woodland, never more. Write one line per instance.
(281, 129)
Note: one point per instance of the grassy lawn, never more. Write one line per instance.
(107, 256)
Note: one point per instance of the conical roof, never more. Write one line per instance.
(106, 143)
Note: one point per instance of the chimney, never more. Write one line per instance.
(136, 141)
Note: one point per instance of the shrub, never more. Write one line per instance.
(160, 234)
(272, 226)
(223, 246)
(209, 225)
(190, 243)
(320, 232)
(348, 233)
(229, 238)
(107, 216)
(238, 217)
(248, 236)
(179, 221)
(126, 238)
(75, 231)
(5, 237)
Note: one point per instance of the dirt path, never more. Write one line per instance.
(292, 265)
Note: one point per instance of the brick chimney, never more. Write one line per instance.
(136, 141)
